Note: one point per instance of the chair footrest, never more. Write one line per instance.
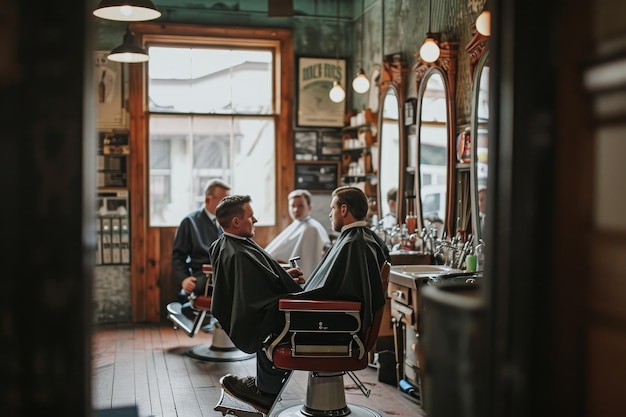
(322, 351)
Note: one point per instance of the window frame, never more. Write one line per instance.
(150, 245)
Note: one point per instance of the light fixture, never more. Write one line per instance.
(429, 51)
(483, 23)
(361, 84)
(337, 94)
(129, 51)
(127, 10)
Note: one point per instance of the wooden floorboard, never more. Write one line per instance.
(147, 366)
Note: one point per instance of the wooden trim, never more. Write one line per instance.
(150, 271)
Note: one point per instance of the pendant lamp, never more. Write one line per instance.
(337, 94)
(129, 51)
(127, 10)
(361, 84)
(483, 23)
(429, 51)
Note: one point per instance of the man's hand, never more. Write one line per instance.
(189, 284)
(296, 274)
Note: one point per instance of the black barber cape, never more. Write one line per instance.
(248, 284)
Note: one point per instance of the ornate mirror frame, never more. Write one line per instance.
(477, 48)
(392, 76)
(446, 65)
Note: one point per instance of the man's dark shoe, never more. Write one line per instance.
(245, 389)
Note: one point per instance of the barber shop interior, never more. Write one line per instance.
(365, 208)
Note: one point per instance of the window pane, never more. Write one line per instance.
(195, 95)
(199, 80)
(238, 150)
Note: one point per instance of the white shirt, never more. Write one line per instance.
(304, 238)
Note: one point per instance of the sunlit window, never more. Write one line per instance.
(211, 115)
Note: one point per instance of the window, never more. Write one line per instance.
(211, 115)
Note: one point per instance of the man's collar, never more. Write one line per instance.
(235, 236)
(359, 223)
(211, 215)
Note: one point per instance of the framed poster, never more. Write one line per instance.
(316, 176)
(315, 79)
(305, 145)
(109, 88)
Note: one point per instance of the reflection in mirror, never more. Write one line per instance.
(433, 151)
(480, 119)
(389, 170)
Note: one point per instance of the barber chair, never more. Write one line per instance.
(221, 348)
(323, 338)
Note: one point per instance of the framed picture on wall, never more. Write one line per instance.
(109, 87)
(305, 145)
(330, 145)
(315, 79)
(316, 176)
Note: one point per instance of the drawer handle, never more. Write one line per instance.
(398, 293)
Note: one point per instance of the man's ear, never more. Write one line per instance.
(235, 221)
(344, 210)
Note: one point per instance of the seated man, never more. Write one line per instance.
(390, 218)
(195, 234)
(248, 284)
(304, 237)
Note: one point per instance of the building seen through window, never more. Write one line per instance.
(211, 115)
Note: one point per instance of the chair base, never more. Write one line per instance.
(302, 410)
(221, 349)
(212, 354)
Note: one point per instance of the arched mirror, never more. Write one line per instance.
(391, 141)
(479, 69)
(389, 171)
(435, 130)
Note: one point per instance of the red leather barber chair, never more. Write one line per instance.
(322, 337)
(221, 348)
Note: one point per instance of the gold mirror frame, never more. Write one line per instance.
(445, 65)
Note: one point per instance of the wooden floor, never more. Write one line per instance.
(147, 366)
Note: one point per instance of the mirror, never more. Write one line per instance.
(479, 71)
(433, 151)
(392, 154)
(435, 130)
(480, 152)
(389, 171)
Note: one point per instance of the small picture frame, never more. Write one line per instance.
(305, 145)
(315, 80)
(330, 145)
(109, 87)
(316, 176)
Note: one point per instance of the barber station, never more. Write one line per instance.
(314, 208)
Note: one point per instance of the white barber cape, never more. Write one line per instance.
(304, 238)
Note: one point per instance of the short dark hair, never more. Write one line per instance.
(230, 206)
(300, 193)
(392, 194)
(354, 198)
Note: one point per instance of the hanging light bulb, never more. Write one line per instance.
(429, 52)
(361, 84)
(483, 23)
(127, 10)
(337, 93)
(129, 51)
